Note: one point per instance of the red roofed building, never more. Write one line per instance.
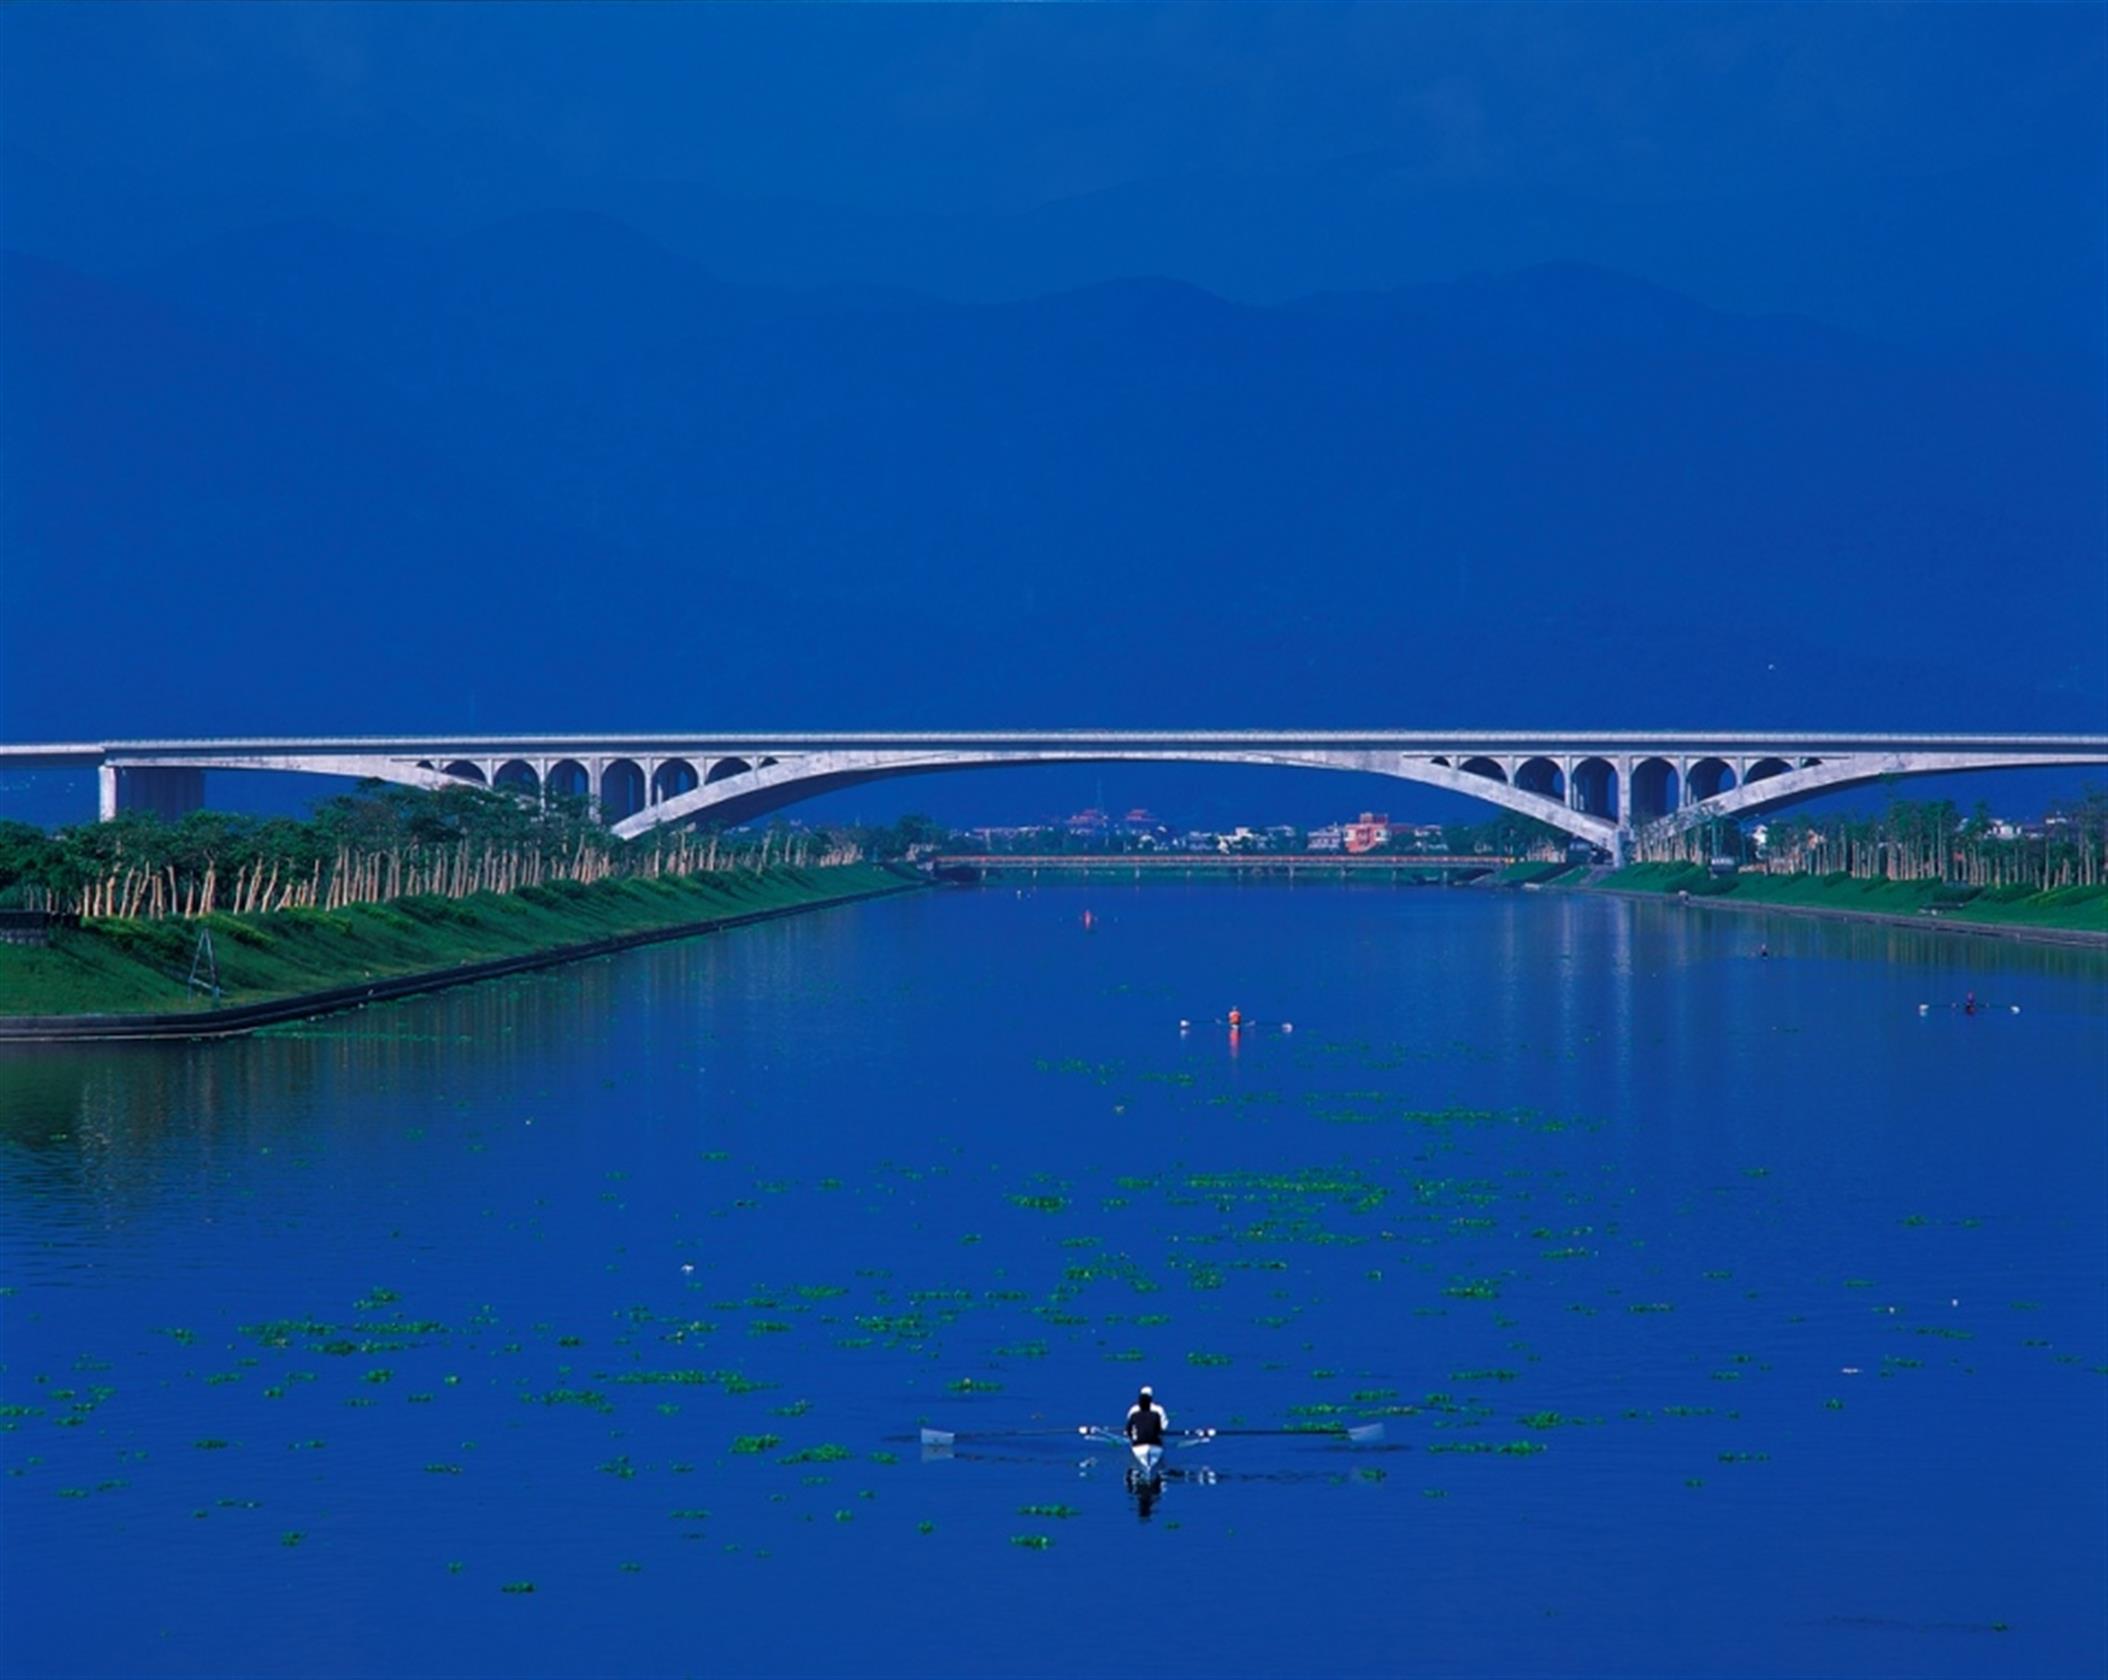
(1369, 833)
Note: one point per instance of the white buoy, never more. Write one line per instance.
(2016, 1009)
(1185, 1026)
(1288, 1026)
(1924, 1009)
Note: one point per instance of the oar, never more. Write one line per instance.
(945, 1437)
(1359, 1433)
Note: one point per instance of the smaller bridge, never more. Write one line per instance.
(1609, 788)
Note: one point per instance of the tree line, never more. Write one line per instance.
(1931, 840)
(368, 847)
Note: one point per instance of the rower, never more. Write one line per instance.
(1146, 1421)
(1236, 1017)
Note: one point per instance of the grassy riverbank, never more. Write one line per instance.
(2074, 909)
(123, 967)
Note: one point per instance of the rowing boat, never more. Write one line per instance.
(1148, 1456)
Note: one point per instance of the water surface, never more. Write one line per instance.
(1726, 1315)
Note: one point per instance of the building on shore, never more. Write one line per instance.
(1367, 833)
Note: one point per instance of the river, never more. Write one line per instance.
(1724, 1314)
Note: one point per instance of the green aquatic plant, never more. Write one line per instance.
(825, 1453)
(591, 1399)
(1062, 1512)
(517, 1587)
(1033, 1542)
(1208, 1359)
(974, 1385)
(756, 1443)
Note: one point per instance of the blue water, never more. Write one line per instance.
(316, 1343)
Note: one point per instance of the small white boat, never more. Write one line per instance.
(1147, 1455)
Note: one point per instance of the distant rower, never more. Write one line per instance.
(1146, 1421)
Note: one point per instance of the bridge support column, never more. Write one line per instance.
(105, 792)
(166, 790)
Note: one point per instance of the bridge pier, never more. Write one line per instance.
(166, 790)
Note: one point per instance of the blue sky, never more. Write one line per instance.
(1722, 150)
(1007, 366)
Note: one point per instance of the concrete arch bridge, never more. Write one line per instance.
(1611, 788)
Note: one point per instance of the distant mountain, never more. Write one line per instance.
(555, 474)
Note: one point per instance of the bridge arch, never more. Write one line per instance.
(1541, 775)
(568, 779)
(1708, 779)
(725, 768)
(1490, 768)
(1655, 790)
(770, 787)
(465, 771)
(621, 790)
(673, 777)
(1595, 788)
(516, 775)
(1765, 768)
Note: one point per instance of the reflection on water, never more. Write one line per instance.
(631, 1280)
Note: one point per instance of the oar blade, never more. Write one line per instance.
(937, 1437)
(1361, 1434)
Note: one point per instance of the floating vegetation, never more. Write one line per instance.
(756, 1443)
(1033, 1542)
(1510, 1449)
(974, 1385)
(1059, 1512)
(591, 1399)
(1204, 1359)
(517, 1587)
(1041, 1204)
(825, 1453)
